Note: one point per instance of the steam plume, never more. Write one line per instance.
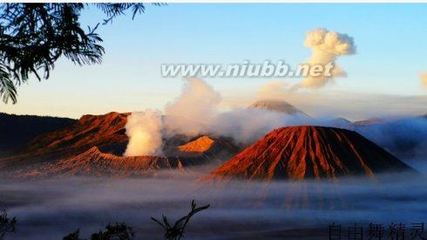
(194, 109)
(144, 131)
(326, 47)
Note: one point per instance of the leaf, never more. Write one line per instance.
(7, 89)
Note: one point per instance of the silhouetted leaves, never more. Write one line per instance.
(7, 88)
(33, 36)
(113, 10)
(118, 231)
(114, 232)
(7, 225)
(73, 236)
(176, 231)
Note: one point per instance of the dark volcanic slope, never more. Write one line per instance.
(309, 152)
(17, 130)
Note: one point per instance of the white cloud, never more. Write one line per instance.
(326, 47)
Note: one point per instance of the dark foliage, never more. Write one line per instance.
(7, 225)
(73, 236)
(114, 232)
(113, 10)
(33, 36)
(118, 231)
(176, 231)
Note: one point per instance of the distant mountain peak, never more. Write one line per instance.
(277, 106)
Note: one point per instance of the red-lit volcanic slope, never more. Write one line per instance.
(71, 150)
(93, 162)
(106, 131)
(213, 149)
(309, 152)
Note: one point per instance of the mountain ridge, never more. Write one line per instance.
(18, 130)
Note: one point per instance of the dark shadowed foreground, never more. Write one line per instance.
(49, 209)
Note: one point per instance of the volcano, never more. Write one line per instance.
(93, 162)
(277, 106)
(309, 152)
(18, 130)
(211, 149)
(199, 145)
(96, 141)
(106, 131)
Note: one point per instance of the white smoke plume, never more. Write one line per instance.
(144, 131)
(194, 109)
(190, 113)
(423, 77)
(326, 47)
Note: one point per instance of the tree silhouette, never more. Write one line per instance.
(33, 36)
(176, 231)
(7, 225)
(118, 231)
(114, 232)
(73, 236)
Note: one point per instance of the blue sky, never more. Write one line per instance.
(390, 38)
